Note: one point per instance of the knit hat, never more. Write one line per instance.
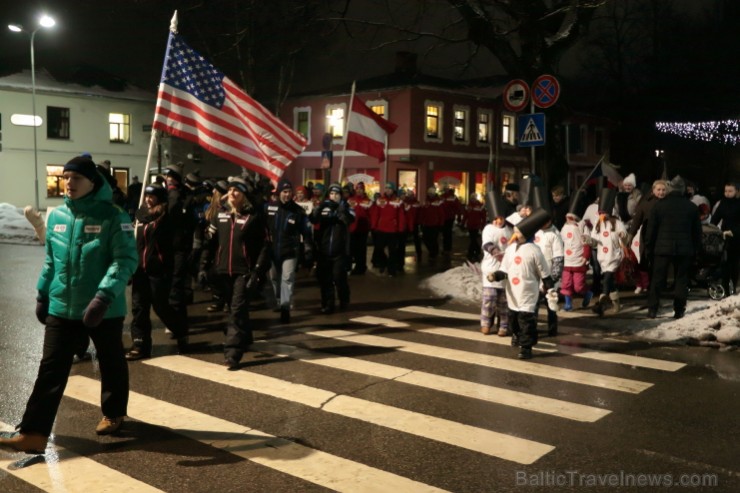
(335, 187)
(193, 179)
(209, 184)
(300, 188)
(360, 185)
(390, 185)
(158, 191)
(607, 199)
(85, 167)
(284, 185)
(174, 170)
(240, 184)
(495, 205)
(631, 179)
(104, 164)
(432, 191)
(319, 187)
(222, 186)
(677, 184)
(533, 223)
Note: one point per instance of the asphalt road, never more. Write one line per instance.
(399, 393)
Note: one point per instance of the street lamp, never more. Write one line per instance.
(46, 22)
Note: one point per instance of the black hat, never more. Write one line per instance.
(577, 204)
(240, 184)
(677, 184)
(193, 179)
(495, 206)
(539, 198)
(86, 167)
(606, 200)
(174, 170)
(222, 186)
(284, 184)
(209, 184)
(158, 191)
(533, 223)
(525, 191)
(335, 187)
(601, 183)
(512, 187)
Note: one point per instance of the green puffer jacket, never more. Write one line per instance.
(90, 250)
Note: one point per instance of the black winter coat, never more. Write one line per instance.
(154, 242)
(673, 227)
(179, 207)
(287, 224)
(238, 244)
(332, 237)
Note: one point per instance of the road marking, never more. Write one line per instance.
(64, 471)
(312, 465)
(490, 361)
(619, 358)
(488, 393)
(387, 322)
(436, 312)
(481, 440)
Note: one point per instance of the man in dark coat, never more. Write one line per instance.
(673, 237)
(728, 212)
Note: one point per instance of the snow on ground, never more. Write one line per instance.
(707, 322)
(14, 228)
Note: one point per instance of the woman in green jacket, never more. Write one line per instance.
(90, 256)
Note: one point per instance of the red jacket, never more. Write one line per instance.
(452, 206)
(432, 214)
(387, 216)
(361, 205)
(474, 216)
(411, 208)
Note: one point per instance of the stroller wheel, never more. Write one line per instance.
(716, 291)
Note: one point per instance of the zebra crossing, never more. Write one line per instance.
(327, 468)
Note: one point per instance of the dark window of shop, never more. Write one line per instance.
(577, 139)
(57, 122)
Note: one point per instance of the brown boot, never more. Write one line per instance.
(108, 426)
(30, 443)
(485, 330)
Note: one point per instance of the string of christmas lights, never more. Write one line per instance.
(724, 132)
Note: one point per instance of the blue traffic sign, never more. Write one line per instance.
(531, 128)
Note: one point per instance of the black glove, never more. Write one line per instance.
(548, 283)
(253, 283)
(500, 275)
(42, 309)
(95, 312)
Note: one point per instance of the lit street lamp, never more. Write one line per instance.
(45, 21)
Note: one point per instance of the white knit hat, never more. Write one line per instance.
(631, 179)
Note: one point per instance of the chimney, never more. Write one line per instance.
(406, 63)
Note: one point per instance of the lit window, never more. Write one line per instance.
(507, 130)
(54, 181)
(120, 128)
(378, 109)
(57, 122)
(335, 121)
(484, 127)
(460, 125)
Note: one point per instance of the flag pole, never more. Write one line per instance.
(346, 130)
(583, 185)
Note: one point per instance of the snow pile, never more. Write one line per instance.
(709, 323)
(14, 228)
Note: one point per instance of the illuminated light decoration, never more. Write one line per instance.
(725, 132)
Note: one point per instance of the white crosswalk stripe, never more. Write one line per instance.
(488, 442)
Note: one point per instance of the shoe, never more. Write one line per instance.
(216, 307)
(485, 330)
(182, 345)
(679, 313)
(79, 358)
(503, 332)
(108, 426)
(568, 303)
(587, 298)
(525, 353)
(29, 443)
(552, 332)
(327, 310)
(514, 340)
(136, 353)
(652, 313)
(639, 290)
(285, 315)
(231, 364)
(343, 305)
(600, 306)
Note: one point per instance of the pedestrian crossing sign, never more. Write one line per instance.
(531, 129)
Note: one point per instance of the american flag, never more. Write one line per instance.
(197, 102)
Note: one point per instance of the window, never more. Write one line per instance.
(54, 181)
(302, 121)
(120, 128)
(577, 138)
(335, 120)
(433, 121)
(460, 133)
(57, 122)
(408, 180)
(507, 130)
(484, 127)
(121, 176)
(378, 109)
(599, 143)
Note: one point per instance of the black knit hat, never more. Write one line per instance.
(284, 185)
(222, 186)
(158, 191)
(495, 206)
(240, 184)
(335, 187)
(193, 179)
(174, 170)
(86, 167)
(533, 223)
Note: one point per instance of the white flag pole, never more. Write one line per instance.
(346, 131)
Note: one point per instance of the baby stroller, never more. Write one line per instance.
(710, 263)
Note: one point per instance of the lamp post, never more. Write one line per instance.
(46, 22)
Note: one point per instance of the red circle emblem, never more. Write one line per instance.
(536, 239)
(569, 235)
(606, 234)
(606, 250)
(515, 281)
(517, 260)
(636, 243)
(569, 252)
(502, 240)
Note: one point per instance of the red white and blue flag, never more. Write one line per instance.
(197, 102)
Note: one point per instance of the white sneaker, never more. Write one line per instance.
(638, 290)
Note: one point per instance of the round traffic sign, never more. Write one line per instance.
(545, 91)
(516, 95)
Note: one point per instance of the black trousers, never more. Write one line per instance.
(430, 236)
(447, 235)
(238, 327)
(181, 289)
(681, 265)
(731, 268)
(387, 241)
(595, 275)
(474, 246)
(61, 338)
(332, 274)
(523, 326)
(416, 233)
(358, 251)
(153, 292)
